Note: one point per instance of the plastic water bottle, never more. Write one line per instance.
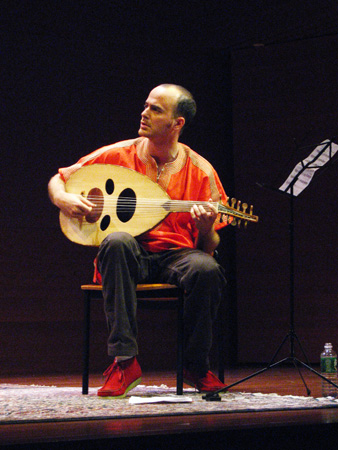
(328, 368)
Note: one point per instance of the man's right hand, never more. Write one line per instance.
(74, 205)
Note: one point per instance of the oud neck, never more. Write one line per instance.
(186, 205)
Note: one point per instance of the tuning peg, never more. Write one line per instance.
(233, 202)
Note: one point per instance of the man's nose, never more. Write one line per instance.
(145, 111)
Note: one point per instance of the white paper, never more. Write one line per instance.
(313, 162)
(158, 399)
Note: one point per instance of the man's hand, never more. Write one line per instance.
(74, 205)
(208, 239)
(204, 219)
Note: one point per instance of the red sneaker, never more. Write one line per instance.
(121, 378)
(208, 383)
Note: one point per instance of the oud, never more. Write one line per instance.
(128, 201)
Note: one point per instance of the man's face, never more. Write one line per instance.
(157, 118)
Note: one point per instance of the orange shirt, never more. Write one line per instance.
(189, 177)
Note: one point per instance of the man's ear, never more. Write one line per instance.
(179, 122)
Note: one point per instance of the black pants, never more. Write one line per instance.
(123, 263)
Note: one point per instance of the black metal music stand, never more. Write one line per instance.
(312, 163)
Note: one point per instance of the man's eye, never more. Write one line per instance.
(152, 107)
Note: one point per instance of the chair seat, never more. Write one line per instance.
(140, 287)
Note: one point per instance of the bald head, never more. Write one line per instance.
(185, 105)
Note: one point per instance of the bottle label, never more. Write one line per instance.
(328, 364)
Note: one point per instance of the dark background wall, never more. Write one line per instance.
(74, 78)
(285, 102)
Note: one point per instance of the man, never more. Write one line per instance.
(178, 251)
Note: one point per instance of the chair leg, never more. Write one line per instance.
(180, 342)
(220, 345)
(86, 335)
(221, 358)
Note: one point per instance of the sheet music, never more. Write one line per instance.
(134, 400)
(308, 167)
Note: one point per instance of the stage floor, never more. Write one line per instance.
(276, 430)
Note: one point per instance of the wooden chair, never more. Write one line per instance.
(152, 297)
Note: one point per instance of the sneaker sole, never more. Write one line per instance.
(190, 383)
(129, 388)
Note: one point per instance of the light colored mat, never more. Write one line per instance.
(20, 404)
